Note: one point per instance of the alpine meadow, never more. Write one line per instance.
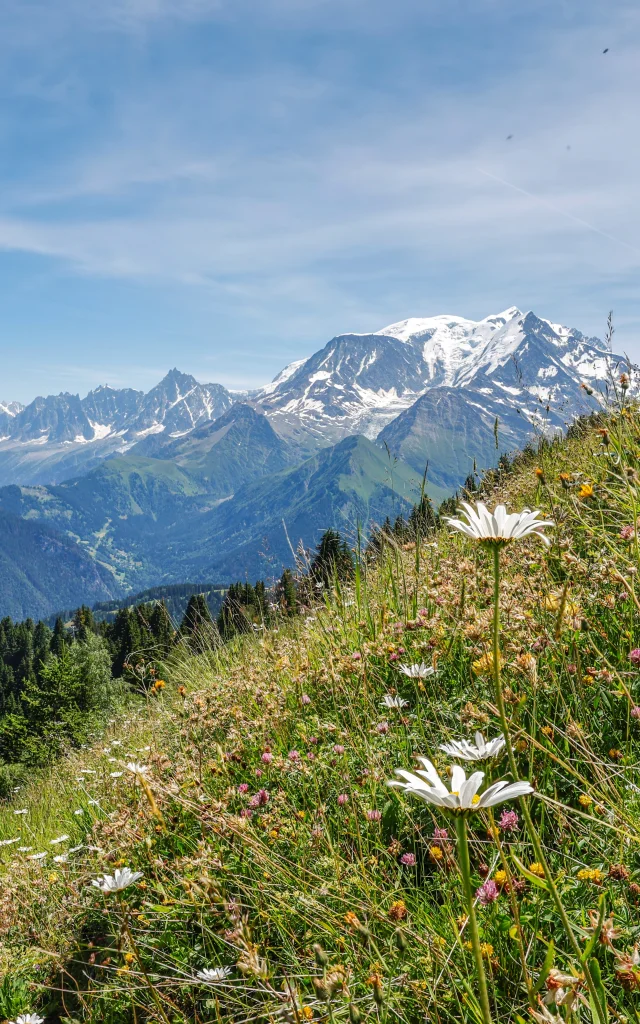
(319, 512)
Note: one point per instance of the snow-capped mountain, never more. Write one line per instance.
(527, 371)
(8, 412)
(59, 436)
(359, 383)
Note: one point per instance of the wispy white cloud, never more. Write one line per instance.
(307, 197)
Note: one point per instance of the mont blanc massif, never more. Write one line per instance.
(122, 490)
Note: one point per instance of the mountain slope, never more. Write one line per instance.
(234, 449)
(346, 486)
(41, 571)
(55, 438)
(360, 383)
(114, 512)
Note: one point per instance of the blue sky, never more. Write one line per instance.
(223, 185)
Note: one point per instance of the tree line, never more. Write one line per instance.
(57, 681)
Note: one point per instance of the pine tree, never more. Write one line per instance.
(333, 559)
(286, 593)
(197, 627)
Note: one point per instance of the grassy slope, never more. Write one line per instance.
(255, 893)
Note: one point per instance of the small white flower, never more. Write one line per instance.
(60, 839)
(478, 751)
(87, 771)
(9, 842)
(119, 880)
(138, 769)
(116, 743)
(62, 858)
(24, 849)
(28, 1018)
(499, 527)
(79, 811)
(24, 810)
(115, 775)
(420, 671)
(37, 856)
(213, 975)
(463, 794)
(74, 849)
(393, 702)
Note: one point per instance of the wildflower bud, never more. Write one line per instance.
(377, 992)
(400, 939)
(321, 957)
(483, 870)
(354, 1014)
(322, 991)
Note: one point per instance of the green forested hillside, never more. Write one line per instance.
(152, 521)
(42, 570)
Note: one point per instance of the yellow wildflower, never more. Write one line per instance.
(585, 800)
(436, 853)
(500, 877)
(590, 875)
(537, 869)
(586, 491)
(484, 665)
(486, 949)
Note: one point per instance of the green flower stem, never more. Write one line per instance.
(136, 953)
(465, 869)
(531, 829)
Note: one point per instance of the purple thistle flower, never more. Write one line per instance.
(343, 799)
(267, 757)
(259, 799)
(338, 748)
(243, 787)
(374, 815)
(293, 755)
(408, 859)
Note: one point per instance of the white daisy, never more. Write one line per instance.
(137, 769)
(60, 839)
(28, 1018)
(420, 671)
(213, 975)
(499, 527)
(481, 750)
(119, 880)
(463, 794)
(393, 702)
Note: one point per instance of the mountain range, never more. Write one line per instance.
(193, 481)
